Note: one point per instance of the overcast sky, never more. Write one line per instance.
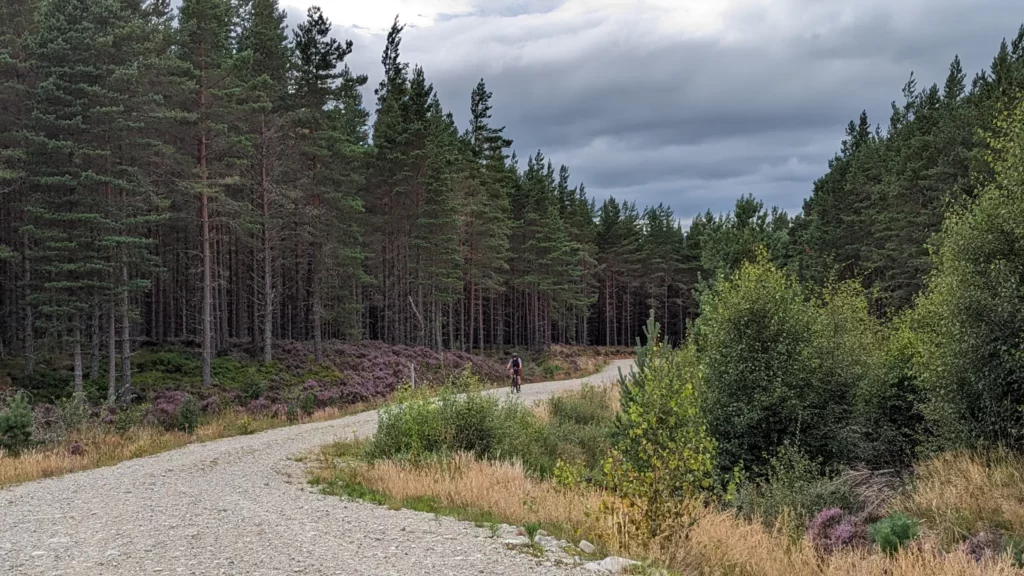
(687, 102)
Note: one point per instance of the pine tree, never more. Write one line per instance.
(326, 105)
(486, 214)
(437, 229)
(84, 162)
(205, 28)
(268, 57)
(16, 81)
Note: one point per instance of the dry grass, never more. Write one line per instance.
(102, 446)
(959, 494)
(502, 488)
(707, 542)
(720, 544)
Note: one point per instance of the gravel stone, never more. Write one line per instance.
(610, 565)
(242, 506)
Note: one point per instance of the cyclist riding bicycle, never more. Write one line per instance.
(515, 369)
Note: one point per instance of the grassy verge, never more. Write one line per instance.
(703, 541)
(465, 488)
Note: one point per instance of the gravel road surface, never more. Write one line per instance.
(241, 506)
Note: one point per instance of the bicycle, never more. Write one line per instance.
(517, 382)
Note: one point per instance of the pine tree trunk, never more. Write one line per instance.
(30, 353)
(472, 314)
(111, 357)
(462, 321)
(220, 311)
(607, 311)
(126, 328)
(234, 288)
(314, 277)
(267, 259)
(665, 329)
(268, 288)
(161, 296)
(223, 278)
(318, 344)
(451, 325)
(204, 218)
(439, 328)
(536, 319)
(94, 354)
(77, 335)
(480, 315)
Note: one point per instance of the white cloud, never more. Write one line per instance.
(376, 16)
(689, 17)
(689, 101)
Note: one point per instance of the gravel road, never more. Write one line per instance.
(241, 506)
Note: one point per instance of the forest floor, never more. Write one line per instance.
(242, 505)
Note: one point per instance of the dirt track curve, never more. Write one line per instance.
(241, 506)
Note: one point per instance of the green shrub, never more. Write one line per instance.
(16, 425)
(46, 386)
(245, 426)
(783, 365)
(888, 415)
(292, 412)
(794, 485)
(589, 406)
(569, 474)
(307, 403)
(893, 532)
(253, 388)
(170, 361)
(753, 338)
(579, 426)
(188, 415)
(549, 369)
(465, 380)
(74, 413)
(662, 452)
(970, 320)
(848, 351)
(416, 426)
(411, 426)
(130, 417)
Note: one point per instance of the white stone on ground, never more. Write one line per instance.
(610, 565)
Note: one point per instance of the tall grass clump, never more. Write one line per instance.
(959, 494)
(578, 427)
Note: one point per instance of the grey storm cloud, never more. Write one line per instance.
(693, 121)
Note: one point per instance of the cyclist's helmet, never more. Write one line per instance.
(515, 354)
